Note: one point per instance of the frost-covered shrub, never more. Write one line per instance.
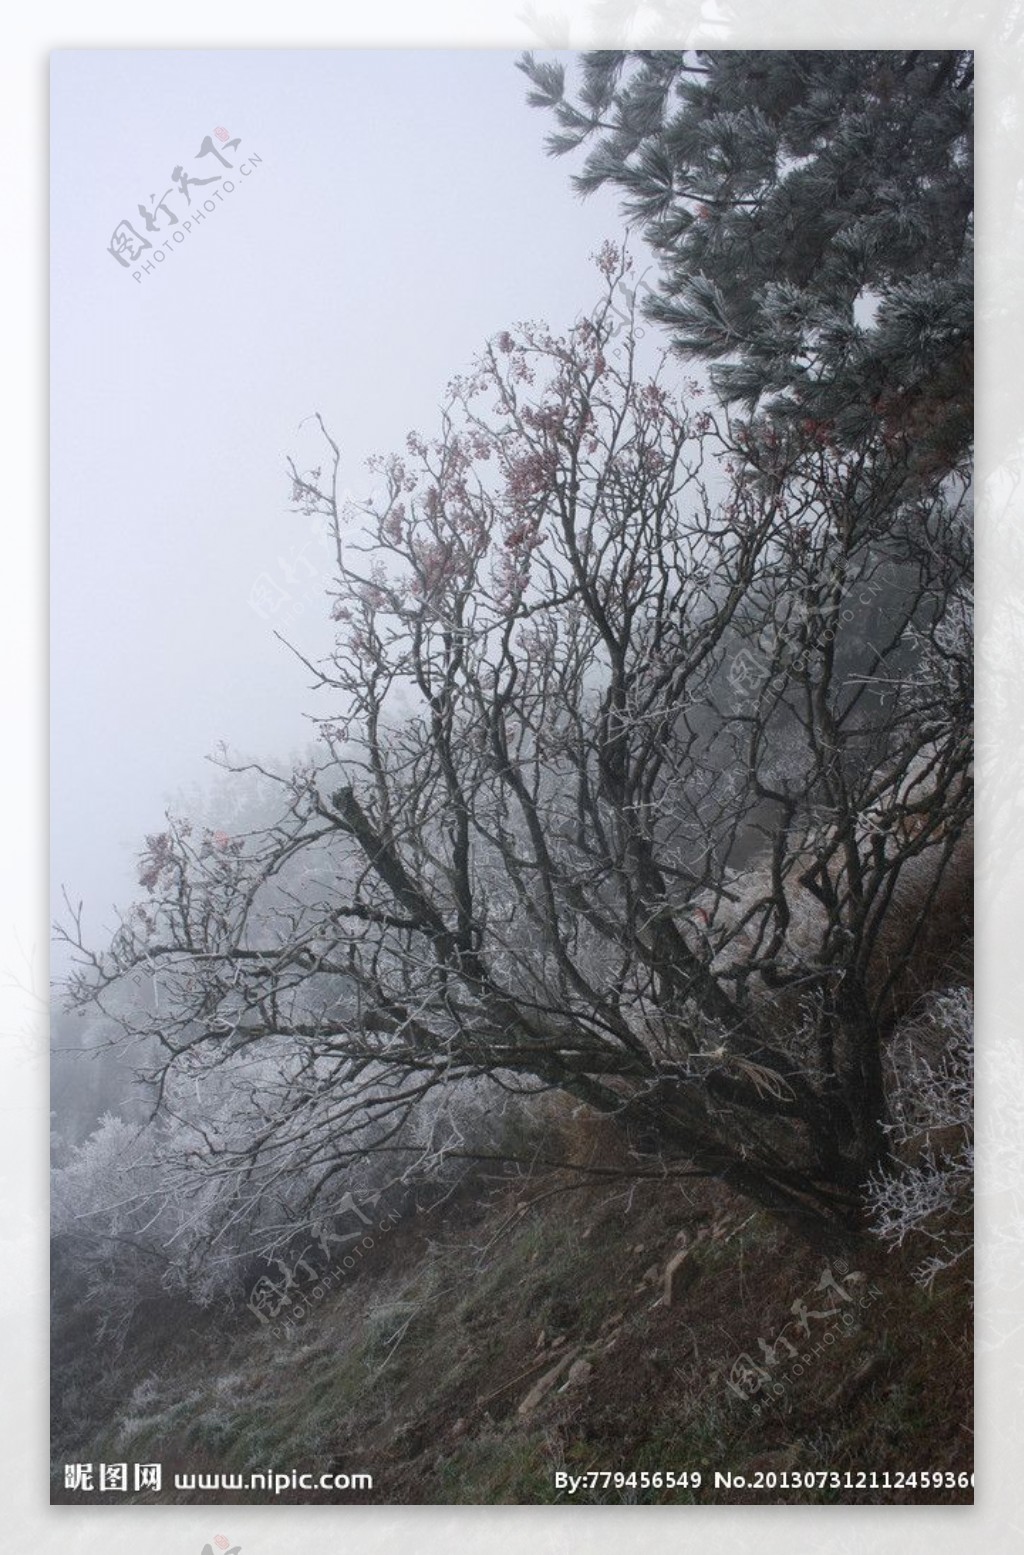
(173, 1208)
(928, 1193)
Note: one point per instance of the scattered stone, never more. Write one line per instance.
(541, 1389)
(850, 1389)
(778, 1461)
(638, 1249)
(579, 1373)
(542, 1339)
(650, 1276)
(680, 1273)
(459, 1429)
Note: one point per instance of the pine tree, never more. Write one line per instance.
(812, 215)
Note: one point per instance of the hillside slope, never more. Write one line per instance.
(533, 1327)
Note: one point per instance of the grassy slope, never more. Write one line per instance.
(416, 1366)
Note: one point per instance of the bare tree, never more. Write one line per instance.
(646, 762)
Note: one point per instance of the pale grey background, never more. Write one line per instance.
(997, 1522)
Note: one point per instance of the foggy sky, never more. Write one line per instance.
(403, 210)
